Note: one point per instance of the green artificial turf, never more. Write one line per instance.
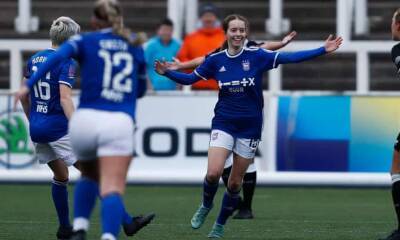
(27, 212)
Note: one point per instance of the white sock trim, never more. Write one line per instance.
(81, 223)
(108, 236)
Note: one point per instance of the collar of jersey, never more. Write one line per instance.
(104, 30)
(233, 56)
(52, 49)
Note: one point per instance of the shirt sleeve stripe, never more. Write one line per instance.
(276, 56)
(65, 83)
(197, 74)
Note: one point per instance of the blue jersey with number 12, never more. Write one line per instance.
(110, 68)
(47, 121)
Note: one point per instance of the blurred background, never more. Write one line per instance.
(330, 121)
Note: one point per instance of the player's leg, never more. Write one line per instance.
(115, 152)
(249, 184)
(85, 196)
(227, 170)
(83, 138)
(59, 192)
(243, 155)
(219, 150)
(231, 196)
(248, 188)
(395, 173)
(113, 172)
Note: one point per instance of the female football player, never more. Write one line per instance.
(102, 128)
(237, 123)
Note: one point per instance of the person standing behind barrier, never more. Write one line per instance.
(395, 169)
(102, 128)
(238, 121)
(163, 46)
(203, 41)
(48, 110)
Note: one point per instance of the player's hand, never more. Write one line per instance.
(160, 67)
(175, 65)
(331, 44)
(288, 38)
(23, 91)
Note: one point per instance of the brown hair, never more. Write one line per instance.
(225, 26)
(229, 18)
(110, 11)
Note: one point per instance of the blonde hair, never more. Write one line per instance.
(62, 29)
(110, 11)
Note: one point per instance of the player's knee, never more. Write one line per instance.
(213, 176)
(234, 185)
(61, 175)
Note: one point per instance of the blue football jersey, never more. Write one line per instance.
(47, 121)
(110, 69)
(239, 110)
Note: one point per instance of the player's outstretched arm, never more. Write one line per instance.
(275, 45)
(178, 65)
(331, 45)
(181, 78)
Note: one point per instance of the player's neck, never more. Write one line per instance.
(234, 50)
(53, 46)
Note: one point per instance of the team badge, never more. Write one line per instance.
(214, 136)
(246, 65)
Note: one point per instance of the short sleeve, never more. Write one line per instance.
(68, 73)
(28, 69)
(206, 69)
(396, 56)
(267, 59)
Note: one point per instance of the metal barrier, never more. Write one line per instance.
(362, 49)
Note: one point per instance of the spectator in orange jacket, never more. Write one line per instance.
(203, 41)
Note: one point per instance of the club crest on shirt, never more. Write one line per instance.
(214, 136)
(246, 65)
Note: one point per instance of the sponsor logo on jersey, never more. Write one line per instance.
(245, 82)
(222, 69)
(246, 65)
(15, 147)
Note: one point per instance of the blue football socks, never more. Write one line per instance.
(59, 193)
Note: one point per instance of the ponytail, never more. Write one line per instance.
(111, 12)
